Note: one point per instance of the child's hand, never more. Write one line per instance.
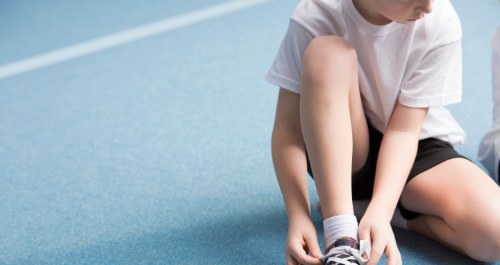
(302, 239)
(378, 231)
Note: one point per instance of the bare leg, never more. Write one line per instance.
(460, 206)
(330, 111)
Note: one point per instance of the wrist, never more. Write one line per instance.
(382, 208)
(299, 217)
(298, 209)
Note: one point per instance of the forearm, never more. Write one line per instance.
(396, 156)
(290, 166)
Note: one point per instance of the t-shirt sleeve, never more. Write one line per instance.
(437, 80)
(286, 70)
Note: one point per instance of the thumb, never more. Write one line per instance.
(364, 234)
(312, 244)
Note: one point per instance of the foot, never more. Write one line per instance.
(345, 251)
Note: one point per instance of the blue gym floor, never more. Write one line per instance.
(157, 150)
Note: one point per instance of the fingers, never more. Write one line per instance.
(305, 259)
(297, 255)
(380, 242)
(377, 250)
(312, 243)
(290, 260)
(392, 253)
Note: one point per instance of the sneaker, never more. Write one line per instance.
(345, 251)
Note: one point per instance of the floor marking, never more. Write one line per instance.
(123, 37)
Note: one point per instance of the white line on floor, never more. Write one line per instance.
(95, 45)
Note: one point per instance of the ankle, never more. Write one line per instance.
(340, 227)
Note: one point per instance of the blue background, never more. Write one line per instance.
(158, 151)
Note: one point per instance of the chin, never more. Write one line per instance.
(403, 21)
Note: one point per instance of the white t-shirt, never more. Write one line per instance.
(418, 64)
(489, 149)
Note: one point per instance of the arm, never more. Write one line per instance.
(289, 159)
(396, 156)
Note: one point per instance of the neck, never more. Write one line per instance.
(369, 13)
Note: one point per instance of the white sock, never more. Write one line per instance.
(340, 226)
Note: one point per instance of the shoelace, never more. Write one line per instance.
(345, 255)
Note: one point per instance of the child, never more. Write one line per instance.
(363, 90)
(489, 149)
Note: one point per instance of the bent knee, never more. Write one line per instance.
(480, 235)
(327, 55)
(484, 243)
(327, 48)
(485, 248)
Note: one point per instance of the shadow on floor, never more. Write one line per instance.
(256, 238)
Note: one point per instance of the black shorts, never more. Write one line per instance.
(430, 153)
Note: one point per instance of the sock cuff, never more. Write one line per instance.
(340, 226)
(340, 219)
